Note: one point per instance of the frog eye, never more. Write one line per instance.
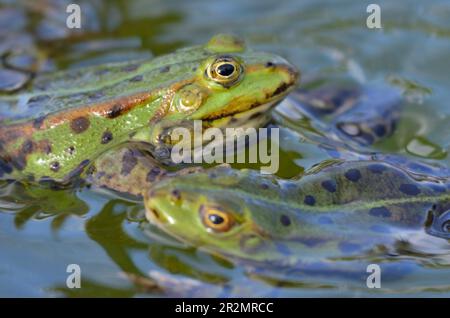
(215, 219)
(225, 71)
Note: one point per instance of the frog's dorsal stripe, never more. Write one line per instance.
(65, 120)
(108, 109)
(344, 208)
(346, 187)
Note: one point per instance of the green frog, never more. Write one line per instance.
(136, 170)
(63, 121)
(337, 210)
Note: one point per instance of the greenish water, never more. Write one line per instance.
(122, 255)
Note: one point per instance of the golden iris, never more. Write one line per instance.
(225, 70)
(216, 220)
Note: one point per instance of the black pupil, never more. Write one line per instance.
(225, 69)
(216, 219)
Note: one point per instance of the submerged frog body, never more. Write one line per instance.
(65, 120)
(344, 117)
(130, 170)
(340, 210)
(336, 210)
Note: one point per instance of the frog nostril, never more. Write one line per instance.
(155, 214)
(270, 64)
(176, 195)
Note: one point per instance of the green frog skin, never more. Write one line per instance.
(335, 211)
(340, 210)
(130, 170)
(65, 120)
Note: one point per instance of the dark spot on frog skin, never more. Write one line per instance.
(91, 170)
(27, 147)
(212, 175)
(71, 150)
(153, 174)
(285, 220)
(376, 168)
(409, 189)
(5, 167)
(379, 130)
(37, 123)
(164, 69)
(309, 200)
(20, 161)
(176, 194)
(54, 166)
(233, 120)
(380, 212)
(45, 146)
(115, 111)
(137, 78)
(347, 247)
(130, 68)
(264, 186)
(79, 124)
(329, 185)
(194, 68)
(79, 169)
(106, 137)
(129, 161)
(353, 175)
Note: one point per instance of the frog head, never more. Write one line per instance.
(217, 210)
(85, 112)
(222, 83)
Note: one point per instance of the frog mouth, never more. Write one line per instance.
(254, 117)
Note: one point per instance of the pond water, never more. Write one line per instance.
(119, 253)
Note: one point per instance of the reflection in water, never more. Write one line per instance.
(30, 202)
(107, 229)
(412, 48)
